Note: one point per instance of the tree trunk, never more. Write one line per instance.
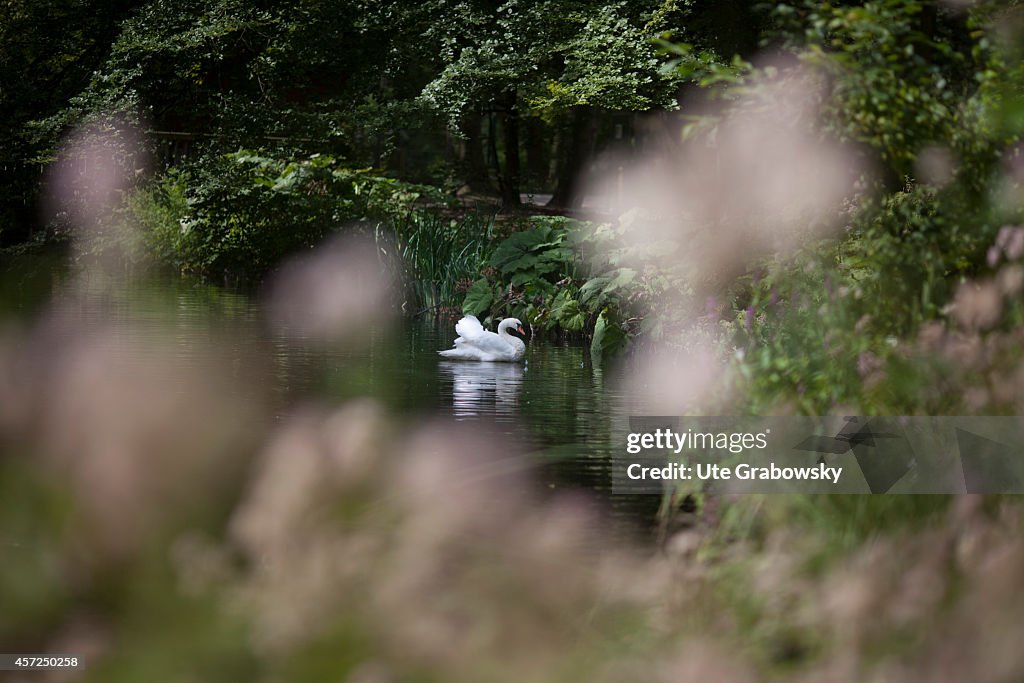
(474, 167)
(577, 141)
(511, 171)
(493, 162)
(536, 149)
(555, 154)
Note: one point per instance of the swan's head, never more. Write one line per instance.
(509, 324)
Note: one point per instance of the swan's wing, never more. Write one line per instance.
(463, 352)
(492, 345)
(469, 328)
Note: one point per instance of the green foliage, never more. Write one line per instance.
(527, 257)
(240, 214)
(249, 209)
(555, 55)
(916, 246)
(571, 276)
(609, 337)
(48, 52)
(438, 255)
(898, 69)
(703, 67)
(526, 270)
(905, 79)
(608, 62)
(797, 335)
(568, 311)
(158, 213)
(481, 297)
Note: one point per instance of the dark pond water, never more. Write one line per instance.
(561, 412)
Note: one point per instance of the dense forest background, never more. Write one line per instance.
(490, 97)
(251, 131)
(487, 97)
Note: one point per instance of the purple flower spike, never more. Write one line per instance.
(992, 257)
(711, 307)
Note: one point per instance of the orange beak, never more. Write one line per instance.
(521, 330)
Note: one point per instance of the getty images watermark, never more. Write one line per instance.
(823, 454)
(664, 439)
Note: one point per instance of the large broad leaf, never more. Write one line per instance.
(593, 288)
(555, 254)
(533, 277)
(609, 338)
(521, 251)
(566, 311)
(479, 298)
(596, 290)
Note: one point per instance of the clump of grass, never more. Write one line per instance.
(438, 254)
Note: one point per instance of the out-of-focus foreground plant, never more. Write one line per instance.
(149, 530)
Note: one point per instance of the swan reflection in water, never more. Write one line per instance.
(483, 388)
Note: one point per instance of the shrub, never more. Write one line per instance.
(250, 209)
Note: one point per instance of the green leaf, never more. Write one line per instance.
(566, 311)
(597, 290)
(609, 338)
(479, 298)
(519, 250)
(593, 288)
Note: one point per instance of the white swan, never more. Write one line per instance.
(476, 343)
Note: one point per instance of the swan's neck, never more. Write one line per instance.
(511, 338)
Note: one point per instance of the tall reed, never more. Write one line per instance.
(437, 254)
